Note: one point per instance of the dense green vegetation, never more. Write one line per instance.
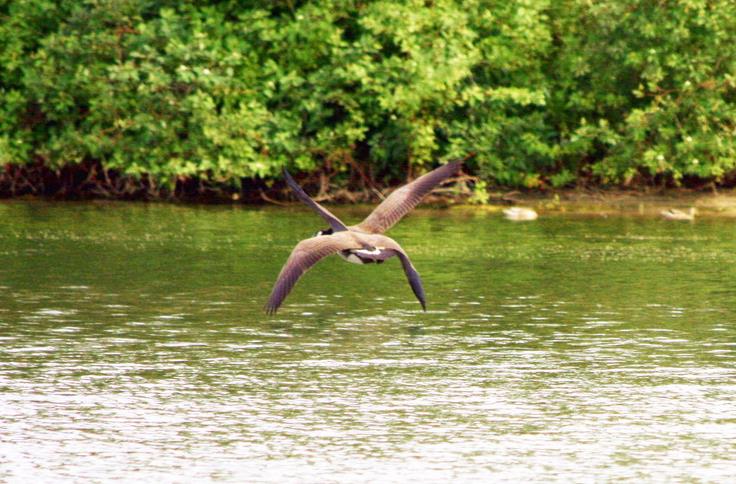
(548, 93)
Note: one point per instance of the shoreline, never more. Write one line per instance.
(573, 202)
(625, 202)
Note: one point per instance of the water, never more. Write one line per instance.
(133, 347)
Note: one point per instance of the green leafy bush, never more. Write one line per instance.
(546, 93)
(648, 88)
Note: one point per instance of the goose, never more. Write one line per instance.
(363, 243)
(674, 214)
(519, 214)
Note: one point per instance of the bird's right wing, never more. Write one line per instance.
(335, 223)
(411, 274)
(306, 253)
(403, 200)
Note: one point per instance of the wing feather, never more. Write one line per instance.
(335, 223)
(306, 253)
(415, 281)
(403, 200)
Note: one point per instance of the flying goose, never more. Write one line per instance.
(520, 214)
(363, 243)
(674, 214)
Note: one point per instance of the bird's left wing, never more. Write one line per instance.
(335, 223)
(306, 253)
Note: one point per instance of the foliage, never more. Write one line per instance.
(646, 87)
(546, 93)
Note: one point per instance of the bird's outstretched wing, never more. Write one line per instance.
(306, 253)
(403, 200)
(335, 223)
(412, 275)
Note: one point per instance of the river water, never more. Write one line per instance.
(133, 347)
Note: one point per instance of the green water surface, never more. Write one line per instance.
(133, 347)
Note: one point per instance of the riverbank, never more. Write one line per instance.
(603, 203)
(618, 202)
(92, 182)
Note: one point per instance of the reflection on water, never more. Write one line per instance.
(133, 346)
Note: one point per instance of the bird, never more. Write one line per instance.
(363, 243)
(520, 214)
(674, 214)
